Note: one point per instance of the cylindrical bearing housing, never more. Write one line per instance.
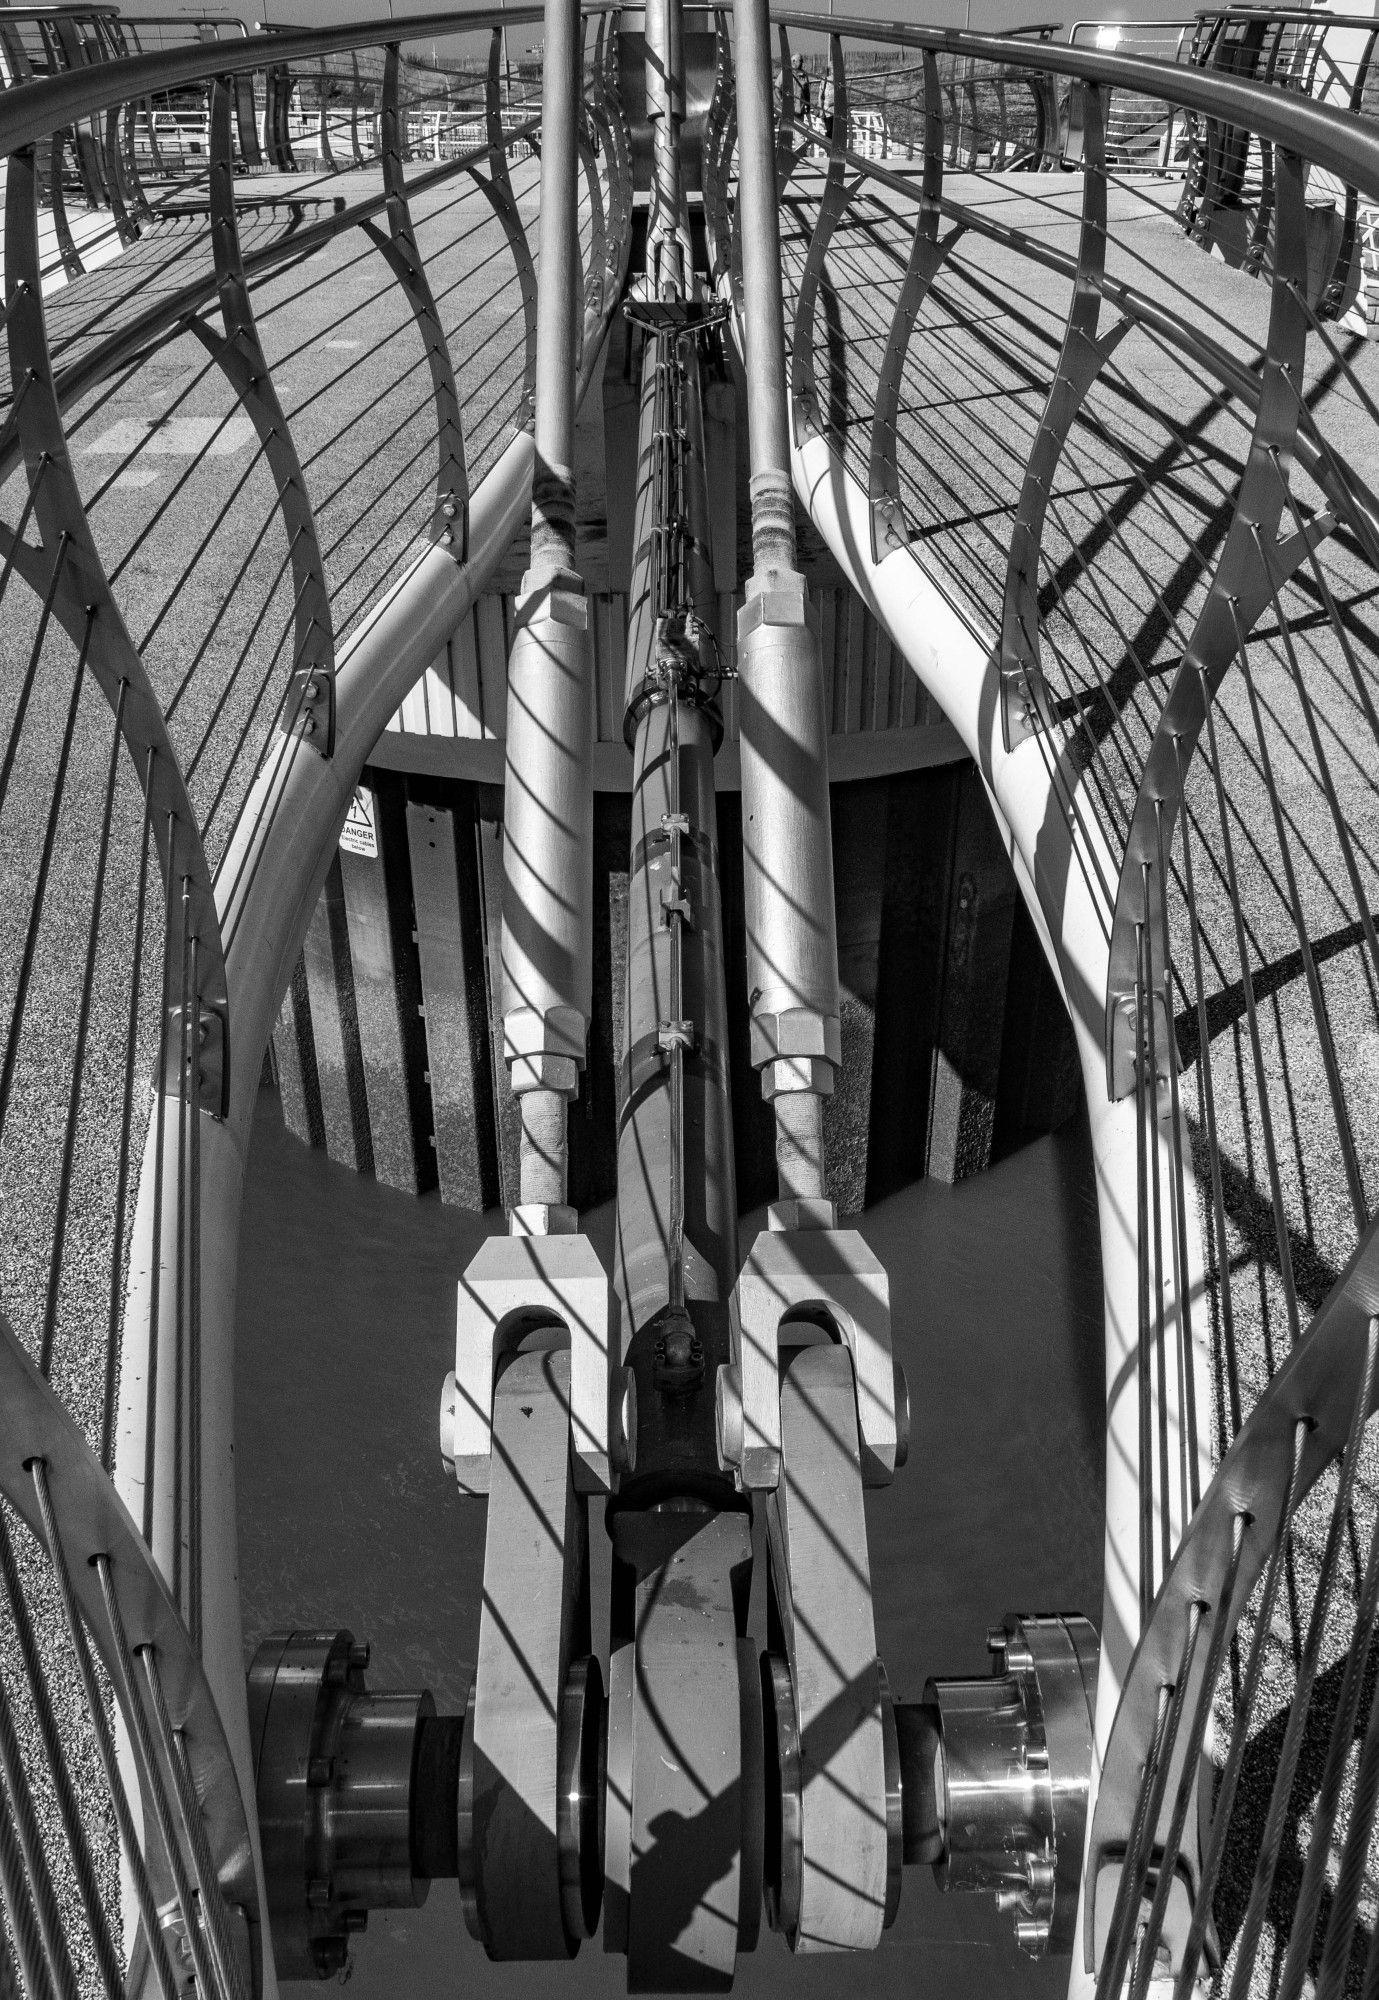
(356, 1796)
(1011, 1775)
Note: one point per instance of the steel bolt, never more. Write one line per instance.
(359, 1655)
(318, 1892)
(319, 1771)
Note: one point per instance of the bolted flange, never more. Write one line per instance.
(356, 1796)
(1007, 1762)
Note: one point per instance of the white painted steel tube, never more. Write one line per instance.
(957, 663)
(768, 413)
(787, 840)
(548, 805)
(548, 835)
(560, 297)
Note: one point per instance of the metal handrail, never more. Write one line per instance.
(1339, 141)
(30, 111)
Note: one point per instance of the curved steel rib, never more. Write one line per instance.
(308, 709)
(1081, 360)
(450, 516)
(1254, 563)
(110, 1588)
(927, 253)
(498, 189)
(804, 397)
(85, 604)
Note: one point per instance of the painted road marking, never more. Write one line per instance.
(178, 437)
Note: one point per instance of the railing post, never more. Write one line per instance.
(308, 708)
(548, 810)
(927, 252)
(792, 952)
(450, 519)
(1080, 361)
(836, 196)
(498, 191)
(1255, 561)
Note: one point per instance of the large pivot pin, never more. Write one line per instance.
(356, 1796)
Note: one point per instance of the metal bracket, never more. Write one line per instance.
(828, 1277)
(512, 1288)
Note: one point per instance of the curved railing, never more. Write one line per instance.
(1114, 501)
(253, 470)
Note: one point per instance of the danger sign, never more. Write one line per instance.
(359, 835)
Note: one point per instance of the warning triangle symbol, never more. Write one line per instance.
(357, 835)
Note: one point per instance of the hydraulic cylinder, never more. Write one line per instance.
(792, 946)
(677, 1198)
(548, 801)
